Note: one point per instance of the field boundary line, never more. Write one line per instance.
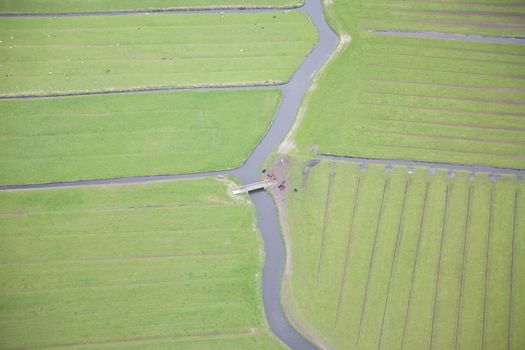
(173, 11)
(400, 228)
(487, 265)
(439, 97)
(503, 63)
(201, 87)
(328, 199)
(451, 86)
(513, 258)
(464, 260)
(371, 260)
(405, 162)
(456, 111)
(414, 266)
(452, 36)
(450, 124)
(151, 338)
(124, 258)
(347, 251)
(440, 262)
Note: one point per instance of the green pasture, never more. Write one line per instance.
(108, 136)
(391, 260)
(60, 6)
(487, 17)
(142, 266)
(60, 55)
(420, 99)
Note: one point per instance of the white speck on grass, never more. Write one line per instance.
(241, 50)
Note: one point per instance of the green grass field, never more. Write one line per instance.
(391, 260)
(486, 17)
(62, 55)
(146, 266)
(60, 6)
(90, 137)
(420, 99)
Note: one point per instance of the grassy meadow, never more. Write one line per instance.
(145, 266)
(486, 17)
(108, 136)
(60, 55)
(60, 6)
(419, 99)
(392, 260)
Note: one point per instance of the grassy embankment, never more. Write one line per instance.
(419, 99)
(396, 260)
(63, 55)
(60, 6)
(388, 266)
(146, 266)
(72, 138)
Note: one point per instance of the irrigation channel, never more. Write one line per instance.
(249, 172)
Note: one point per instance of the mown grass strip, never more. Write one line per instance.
(393, 262)
(347, 250)
(513, 258)
(440, 262)
(462, 268)
(325, 223)
(58, 6)
(414, 266)
(371, 259)
(487, 270)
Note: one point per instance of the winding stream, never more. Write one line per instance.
(250, 171)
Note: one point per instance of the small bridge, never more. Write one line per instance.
(253, 186)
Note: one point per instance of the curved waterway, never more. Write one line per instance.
(250, 171)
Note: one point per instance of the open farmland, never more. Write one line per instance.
(414, 261)
(60, 6)
(432, 100)
(63, 55)
(161, 265)
(93, 137)
(485, 17)
(420, 99)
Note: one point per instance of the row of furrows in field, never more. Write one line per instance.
(472, 107)
(435, 202)
(504, 19)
